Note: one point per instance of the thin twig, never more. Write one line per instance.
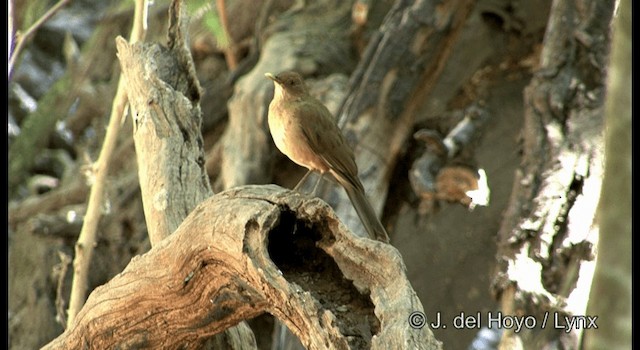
(21, 39)
(229, 51)
(10, 29)
(87, 240)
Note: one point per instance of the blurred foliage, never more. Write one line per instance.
(31, 12)
(205, 11)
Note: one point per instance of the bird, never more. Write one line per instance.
(305, 131)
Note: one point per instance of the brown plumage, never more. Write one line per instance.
(305, 131)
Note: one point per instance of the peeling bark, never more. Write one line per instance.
(547, 234)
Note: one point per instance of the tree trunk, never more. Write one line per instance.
(545, 248)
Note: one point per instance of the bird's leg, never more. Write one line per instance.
(315, 188)
(302, 181)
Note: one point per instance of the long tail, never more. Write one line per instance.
(366, 213)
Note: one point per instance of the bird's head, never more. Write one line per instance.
(288, 84)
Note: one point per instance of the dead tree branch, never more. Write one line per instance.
(248, 251)
(166, 117)
(165, 93)
(87, 240)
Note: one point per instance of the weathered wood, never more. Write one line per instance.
(166, 115)
(547, 233)
(247, 251)
(164, 94)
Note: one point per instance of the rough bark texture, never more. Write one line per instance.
(548, 231)
(247, 251)
(164, 94)
(166, 119)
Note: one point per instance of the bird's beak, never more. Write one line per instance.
(272, 77)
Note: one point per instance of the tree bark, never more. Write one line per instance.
(164, 95)
(546, 238)
(252, 250)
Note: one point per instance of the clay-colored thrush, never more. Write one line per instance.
(305, 131)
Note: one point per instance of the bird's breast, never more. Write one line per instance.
(279, 127)
(288, 136)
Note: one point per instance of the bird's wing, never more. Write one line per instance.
(325, 138)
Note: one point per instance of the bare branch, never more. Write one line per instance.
(21, 39)
(87, 240)
(229, 50)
